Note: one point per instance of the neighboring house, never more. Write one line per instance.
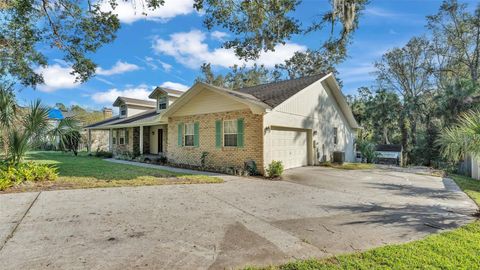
(299, 122)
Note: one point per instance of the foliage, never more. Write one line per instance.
(274, 169)
(367, 149)
(463, 139)
(238, 77)
(203, 159)
(103, 154)
(349, 166)
(11, 175)
(8, 114)
(251, 167)
(66, 134)
(71, 140)
(83, 171)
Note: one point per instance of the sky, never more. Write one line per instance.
(167, 48)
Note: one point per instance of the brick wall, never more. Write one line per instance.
(218, 157)
(118, 148)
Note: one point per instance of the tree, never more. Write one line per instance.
(238, 77)
(408, 71)
(62, 134)
(71, 140)
(8, 114)
(456, 40)
(77, 29)
(61, 106)
(462, 139)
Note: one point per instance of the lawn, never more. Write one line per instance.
(457, 249)
(90, 172)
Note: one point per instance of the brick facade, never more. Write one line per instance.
(223, 156)
(122, 148)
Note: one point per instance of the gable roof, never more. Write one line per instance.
(168, 91)
(275, 93)
(134, 101)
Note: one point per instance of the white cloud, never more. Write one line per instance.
(357, 73)
(119, 68)
(56, 77)
(104, 81)
(191, 50)
(140, 92)
(218, 35)
(175, 86)
(166, 66)
(134, 10)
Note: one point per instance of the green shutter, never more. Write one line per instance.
(126, 136)
(180, 134)
(240, 132)
(118, 137)
(196, 134)
(218, 133)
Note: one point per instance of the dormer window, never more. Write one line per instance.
(162, 103)
(123, 110)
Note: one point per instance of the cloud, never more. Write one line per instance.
(56, 77)
(119, 68)
(218, 35)
(380, 12)
(191, 50)
(104, 81)
(139, 92)
(175, 86)
(357, 73)
(134, 10)
(166, 66)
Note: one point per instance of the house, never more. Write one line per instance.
(299, 122)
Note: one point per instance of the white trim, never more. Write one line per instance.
(235, 121)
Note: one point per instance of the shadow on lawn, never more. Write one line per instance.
(85, 166)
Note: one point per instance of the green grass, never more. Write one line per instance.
(457, 249)
(349, 166)
(89, 172)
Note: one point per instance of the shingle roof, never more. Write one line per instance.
(138, 117)
(104, 122)
(389, 147)
(275, 93)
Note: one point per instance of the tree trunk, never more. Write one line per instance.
(404, 131)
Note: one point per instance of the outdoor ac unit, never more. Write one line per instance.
(338, 157)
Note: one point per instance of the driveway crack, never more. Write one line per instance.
(9, 236)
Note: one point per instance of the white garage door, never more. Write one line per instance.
(290, 147)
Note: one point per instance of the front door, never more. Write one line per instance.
(160, 141)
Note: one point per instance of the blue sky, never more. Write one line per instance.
(169, 47)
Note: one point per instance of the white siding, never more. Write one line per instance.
(209, 102)
(314, 108)
(134, 110)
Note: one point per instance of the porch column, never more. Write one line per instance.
(141, 140)
(110, 140)
(89, 145)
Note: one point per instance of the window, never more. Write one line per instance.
(123, 110)
(162, 103)
(230, 132)
(121, 136)
(189, 134)
(335, 135)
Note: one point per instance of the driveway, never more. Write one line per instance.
(315, 211)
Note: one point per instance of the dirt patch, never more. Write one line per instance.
(241, 245)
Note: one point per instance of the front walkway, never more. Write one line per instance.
(317, 212)
(161, 167)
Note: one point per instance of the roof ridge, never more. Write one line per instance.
(282, 81)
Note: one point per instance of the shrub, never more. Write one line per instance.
(251, 167)
(203, 159)
(274, 169)
(25, 172)
(103, 154)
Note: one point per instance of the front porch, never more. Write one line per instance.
(149, 140)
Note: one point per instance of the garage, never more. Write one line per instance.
(290, 146)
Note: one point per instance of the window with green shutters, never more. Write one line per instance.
(189, 134)
(232, 133)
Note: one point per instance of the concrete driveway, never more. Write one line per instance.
(314, 212)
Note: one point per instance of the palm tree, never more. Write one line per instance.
(36, 122)
(63, 133)
(463, 139)
(8, 113)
